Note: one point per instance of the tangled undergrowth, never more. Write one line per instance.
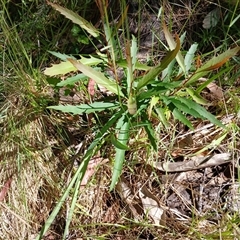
(186, 189)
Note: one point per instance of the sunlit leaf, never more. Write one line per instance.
(61, 56)
(134, 50)
(74, 17)
(190, 56)
(63, 68)
(153, 102)
(212, 64)
(98, 77)
(217, 65)
(172, 45)
(162, 117)
(196, 97)
(167, 72)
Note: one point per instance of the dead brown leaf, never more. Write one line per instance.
(151, 205)
(91, 87)
(91, 168)
(215, 90)
(196, 162)
(125, 191)
(5, 189)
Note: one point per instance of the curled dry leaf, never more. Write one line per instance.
(124, 190)
(151, 206)
(196, 162)
(211, 19)
(215, 90)
(181, 144)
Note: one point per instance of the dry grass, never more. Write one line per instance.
(39, 172)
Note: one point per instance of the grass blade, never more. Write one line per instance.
(59, 204)
(73, 203)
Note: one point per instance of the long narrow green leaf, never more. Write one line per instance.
(118, 144)
(134, 50)
(213, 64)
(123, 138)
(72, 80)
(85, 108)
(138, 65)
(74, 17)
(167, 72)
(73, 204)
(150, 131)
(178, 115)
(155, 71)
(158, 89)
(190, 56)
(201, 110)
(196, 96)
(162, 117)
(63, 68)
(172, 45)
(79, 173)
(185, 108)
(98, 77)
(61, 56)
(215, 76)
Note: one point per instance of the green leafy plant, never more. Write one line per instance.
(135, 98)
